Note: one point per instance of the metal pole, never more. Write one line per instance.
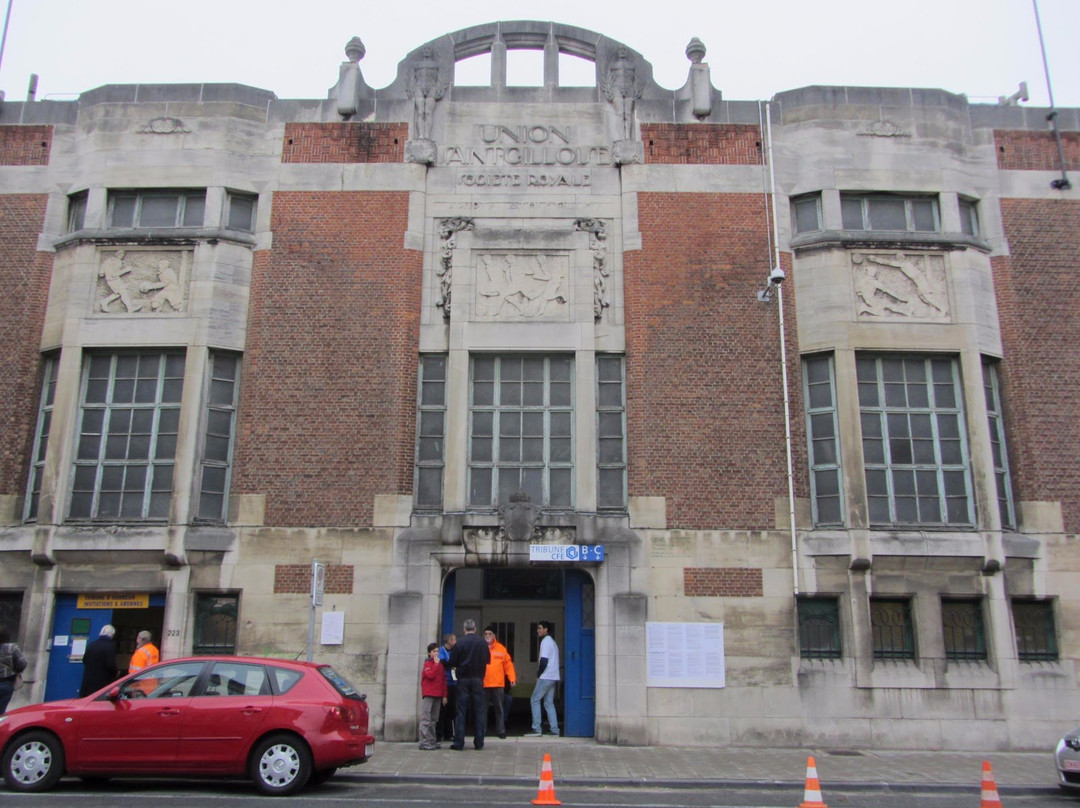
(1061, 184)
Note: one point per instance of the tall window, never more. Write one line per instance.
(819, 628)
(129, 419)
(913, 441)
(41, 437)
(1036, 638)
(156, 208)
(610, 433)
(216, 464)
(891, 212)
(892, 635)
(995, 418)
(962, 628)
(521, 430)
(824, 441)
(431, 429)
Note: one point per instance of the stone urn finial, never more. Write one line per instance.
(354, 49)
(695, 51)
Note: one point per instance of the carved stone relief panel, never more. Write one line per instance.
(899, 286)
(142, 281)
(522, 286)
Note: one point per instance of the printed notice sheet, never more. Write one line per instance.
(684, 654)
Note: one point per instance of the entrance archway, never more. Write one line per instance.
(515, 599)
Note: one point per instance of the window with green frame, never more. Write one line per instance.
(962, 629)
(215, 623)
(819, 627)
(1036, 637)
(823, 436)
(892, 633)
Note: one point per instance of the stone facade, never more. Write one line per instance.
(321, 307)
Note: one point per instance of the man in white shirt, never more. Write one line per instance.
(547, 680)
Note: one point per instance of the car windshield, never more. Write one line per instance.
(340, 683)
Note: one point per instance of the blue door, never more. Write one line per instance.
(70, 626)
(579, 656)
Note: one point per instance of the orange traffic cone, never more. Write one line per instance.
(546, 793)
(990, 798)
(812, 792)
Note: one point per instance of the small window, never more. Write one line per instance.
(11, 612)
(76, 212)
(969, 217)
(890, 212)
(819, 628)
(824, 437)
(610, 433)
(806, 213)
(890, 624)
(162, 209)
(1036, 638)
(962, 627)
(241, 214)
(215, 624)
(996, 422)
(41, 437)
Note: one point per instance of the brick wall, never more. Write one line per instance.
(327, 414)
(723, 582)
(1039, 310)
(25, 145)
(704, 394)
(344, 142)
(701, 144)
(24, 277)
(1036, 151)
(295, 579)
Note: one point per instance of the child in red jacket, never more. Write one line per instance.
(433, 696)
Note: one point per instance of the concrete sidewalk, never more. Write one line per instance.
(577, 761)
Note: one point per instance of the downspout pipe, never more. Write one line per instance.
(783, 354)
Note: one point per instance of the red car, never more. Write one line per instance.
(280, 723)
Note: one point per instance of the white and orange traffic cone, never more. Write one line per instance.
(812, 792)
(990, 798)
(545, 795)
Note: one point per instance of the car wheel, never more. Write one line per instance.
(280, 765)
(321, 776)
(33, 762)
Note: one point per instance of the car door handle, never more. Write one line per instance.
(168, 711)
(249, 710)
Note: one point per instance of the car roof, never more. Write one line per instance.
(253, 660)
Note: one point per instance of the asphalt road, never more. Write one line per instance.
(132, 793)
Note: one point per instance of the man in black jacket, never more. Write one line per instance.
(469, 658)
(99, 662)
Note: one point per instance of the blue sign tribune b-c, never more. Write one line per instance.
(566, 552)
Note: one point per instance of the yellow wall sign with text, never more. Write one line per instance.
(125, 600)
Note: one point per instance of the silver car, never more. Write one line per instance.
(1067, 758)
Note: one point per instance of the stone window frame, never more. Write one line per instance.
(46, 404)
(802, 207)
(892, 629)
(995, 417)
(76, 216)
(823, 439)
(819, 627)
(1035, 628)
(189, 208)
(611, 430)
(963, 629)
(553, 460)
(871, 211)
(210, 606)
(96, 454)
(218, 435)
(938, 424)
(240, 211)
(430, 462)
(969, 216)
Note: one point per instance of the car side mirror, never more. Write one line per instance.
(113, 694)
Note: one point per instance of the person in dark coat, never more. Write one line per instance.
(99, 662)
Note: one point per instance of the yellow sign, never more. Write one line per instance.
(114, 600)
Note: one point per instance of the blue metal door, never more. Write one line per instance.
(65, 670)
(579, 656)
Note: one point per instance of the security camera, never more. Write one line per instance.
(776, 277)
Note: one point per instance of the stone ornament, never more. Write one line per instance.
(142, 282)
(622, 88)
(164, 126)
(897, 286)
(882, 129)
(597, 236)
(448, 230)
(521, 286)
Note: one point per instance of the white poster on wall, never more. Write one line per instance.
(684, 654)
(333, 628)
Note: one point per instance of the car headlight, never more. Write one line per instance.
(1073, 742)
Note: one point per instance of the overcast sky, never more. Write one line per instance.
(983, 48)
